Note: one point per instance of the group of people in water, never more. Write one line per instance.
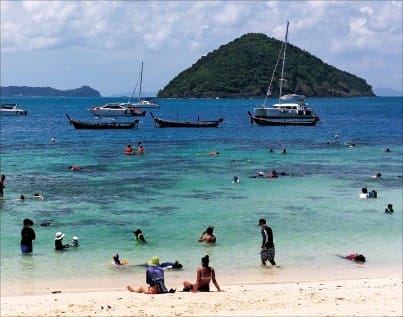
(129, 149)
(28, 236)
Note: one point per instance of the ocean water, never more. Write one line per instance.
(175, 190)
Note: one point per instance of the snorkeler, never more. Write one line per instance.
(138, 236)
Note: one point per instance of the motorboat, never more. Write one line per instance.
(11, 109)
(116, 110)
(291, 109)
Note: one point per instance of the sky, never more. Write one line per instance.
(67, 44)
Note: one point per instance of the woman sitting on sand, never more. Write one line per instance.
(205, 274)
(154, 278)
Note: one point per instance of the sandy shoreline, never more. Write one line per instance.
(349, 297)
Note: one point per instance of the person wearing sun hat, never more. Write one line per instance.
(155, 261)
(154, 278)
(59, 242)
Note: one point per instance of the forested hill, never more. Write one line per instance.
(24, 91)
(244, 67)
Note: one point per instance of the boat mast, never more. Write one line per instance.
(134, 90)
(282, 67)
(141, 81)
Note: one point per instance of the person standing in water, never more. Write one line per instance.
(208, 235)
(267, 250)
(2, 185)
(27, 236)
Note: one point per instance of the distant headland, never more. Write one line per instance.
(24, 91)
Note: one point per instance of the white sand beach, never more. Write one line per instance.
(373, 296)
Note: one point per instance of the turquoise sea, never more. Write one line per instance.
(175, 189)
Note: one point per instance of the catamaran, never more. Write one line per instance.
(291, 109)
(141, 102)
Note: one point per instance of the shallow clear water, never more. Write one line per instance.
(175, 190)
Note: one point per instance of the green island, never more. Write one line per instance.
(24, 91)
(243, 69)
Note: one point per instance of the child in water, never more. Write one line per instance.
(117, 261)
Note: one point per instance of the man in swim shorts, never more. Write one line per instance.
(267, 250)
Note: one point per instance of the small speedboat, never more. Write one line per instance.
(116, 110)
(11, 109)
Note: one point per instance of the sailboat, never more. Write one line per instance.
(291, 109)
(141, 102)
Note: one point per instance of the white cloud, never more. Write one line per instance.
(174, 34)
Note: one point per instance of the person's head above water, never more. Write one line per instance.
(210, 230)
(116, 258)
(359, 258)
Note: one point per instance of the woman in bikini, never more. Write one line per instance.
(205, 274)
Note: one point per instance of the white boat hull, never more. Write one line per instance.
(11, 110)
(143, 104)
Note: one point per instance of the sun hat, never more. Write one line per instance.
(261, 173)
(75, 238)
(59, 235)
(155, 261)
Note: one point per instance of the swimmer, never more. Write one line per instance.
(140, 148)
(259, 175)
(213, 153)
(284, 150)
(45, 223)
(39, 196)
(354, 257)
(235, 180)
(377, 175)
(74, 168)
(75, 242)
(53, 139)
(138, 235)
(128, 150)
(387, 150)
(389, 209)
(21, 198)
(273, 174)
(116, 260)
(171, 265)
(208, 235)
